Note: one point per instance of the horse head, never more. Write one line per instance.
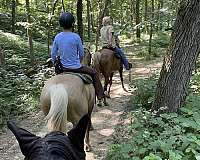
(55, 145)
(87, 57)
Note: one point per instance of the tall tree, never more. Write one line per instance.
(151, 26)
(29, 33)
(63, 6)
(80, 18)
(13, 16)
(49, 23)
(137, 18)
(89, 20)
(180, 59)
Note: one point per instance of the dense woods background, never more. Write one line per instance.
(165, 107)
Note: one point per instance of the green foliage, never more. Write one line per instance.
(145, 92)
(151, 137)
(161, 40)
(18, 92)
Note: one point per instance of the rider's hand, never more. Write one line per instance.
(109, 46)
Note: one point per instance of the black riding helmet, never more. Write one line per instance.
(66, 20)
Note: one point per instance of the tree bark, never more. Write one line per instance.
(29, 34)
(89, 20)
(161, 6)
(49, 24)
(151, 27)
(146, 15)
(63, 6)
(13, 16)
(180, 59)
(2, 56)
(92, 18)
(80, 18)
(137, 18)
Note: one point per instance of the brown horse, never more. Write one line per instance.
(65, 97)
(106, 62)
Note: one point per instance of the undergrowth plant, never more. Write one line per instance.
(170, 136)
(19, 93)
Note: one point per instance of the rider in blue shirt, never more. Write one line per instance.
(68, 46)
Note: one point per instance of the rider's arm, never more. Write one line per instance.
(54, 51)
(80, 49)
(110, 36)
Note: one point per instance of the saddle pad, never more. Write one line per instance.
(86, 78)
(112, 49)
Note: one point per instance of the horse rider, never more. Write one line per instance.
(108, 41)
(69, 45)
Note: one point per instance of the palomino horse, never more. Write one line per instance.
(106, 62)
(65, 97)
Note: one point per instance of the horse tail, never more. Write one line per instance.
(57, 116)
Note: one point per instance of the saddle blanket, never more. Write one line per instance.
(85, 78)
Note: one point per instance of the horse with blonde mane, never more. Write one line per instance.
(65, 97)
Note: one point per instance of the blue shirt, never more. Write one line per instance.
(69, 46)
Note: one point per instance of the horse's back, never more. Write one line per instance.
(107, 61)
(81, 96)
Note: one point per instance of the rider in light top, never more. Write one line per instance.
(108, 41)
(70, 48)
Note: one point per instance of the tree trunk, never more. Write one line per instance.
(13, 16)
(92, 18)
(160, 22)
(107, 8)
(63, 6)
(89, 20)
(29, 34)
(158, 16)
(146, 15)
(2, 56)
(49, 24)
(151, 27)
(80, 18)
(132, 9)
(180, 59)
(137, 18)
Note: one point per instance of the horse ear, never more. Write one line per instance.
(24, 138)
(77, 134)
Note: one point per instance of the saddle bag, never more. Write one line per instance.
(58, 65)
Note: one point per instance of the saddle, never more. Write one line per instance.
(112, 49)
(85, 78)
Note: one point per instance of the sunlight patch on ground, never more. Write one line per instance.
(106, 111)
(96, 120)
(106, 132)
(118, 91)
(90, 155)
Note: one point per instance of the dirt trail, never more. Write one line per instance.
(104, 118)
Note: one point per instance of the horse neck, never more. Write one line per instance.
(87, 58)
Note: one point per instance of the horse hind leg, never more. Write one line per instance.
(87, 136)
(105, 89)
(110, 82)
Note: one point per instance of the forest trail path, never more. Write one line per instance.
(104, 118)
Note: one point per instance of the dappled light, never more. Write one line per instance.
(150, 111)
